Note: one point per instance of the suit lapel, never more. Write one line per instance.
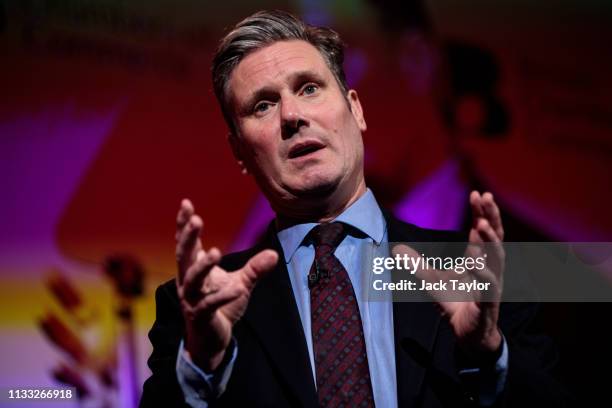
(415, 329)
(274, 316)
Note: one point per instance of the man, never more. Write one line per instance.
(282, 324)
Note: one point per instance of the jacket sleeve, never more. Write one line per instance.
(162, 387)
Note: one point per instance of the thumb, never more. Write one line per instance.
(258, 266)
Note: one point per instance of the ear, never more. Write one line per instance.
(235, 145)
(356, 109)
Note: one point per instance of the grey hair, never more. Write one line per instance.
(262, 29)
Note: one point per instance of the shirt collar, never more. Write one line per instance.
(364, 214)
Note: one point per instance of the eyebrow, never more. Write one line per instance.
(261, 93)
(266, 91)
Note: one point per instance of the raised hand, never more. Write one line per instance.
(474, 315)
(475, 322)
(212, 299)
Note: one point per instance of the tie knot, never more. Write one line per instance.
(330, 234)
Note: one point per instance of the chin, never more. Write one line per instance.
(318, 187)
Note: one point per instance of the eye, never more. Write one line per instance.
(261, 107)
(310, 89)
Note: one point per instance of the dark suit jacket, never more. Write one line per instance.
(273, 368)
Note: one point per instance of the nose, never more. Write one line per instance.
(292, 117)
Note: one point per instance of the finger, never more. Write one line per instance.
(486, 274)
(258, 266)
(493, 214)
(210, 303)
(493, 247)
(196, 274)
(188, 245)
(486, 232)
(493, 291)
(475, 236)
(185, 212)
(476, 205)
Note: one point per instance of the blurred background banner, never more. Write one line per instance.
(108, 119)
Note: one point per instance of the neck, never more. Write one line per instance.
(321, 210)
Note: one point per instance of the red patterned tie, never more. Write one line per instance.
(343, 376)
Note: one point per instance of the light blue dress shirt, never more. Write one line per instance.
(376, 316)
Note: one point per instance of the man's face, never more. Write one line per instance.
(295, 130)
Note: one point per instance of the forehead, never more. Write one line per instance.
(275, 63)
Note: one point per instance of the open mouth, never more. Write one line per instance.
(304, 149)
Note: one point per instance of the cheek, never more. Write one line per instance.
(257, 140)
(348, 134)
(266, 156)
(337, 123)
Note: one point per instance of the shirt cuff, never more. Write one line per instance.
(199, 387)
(490, 382)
